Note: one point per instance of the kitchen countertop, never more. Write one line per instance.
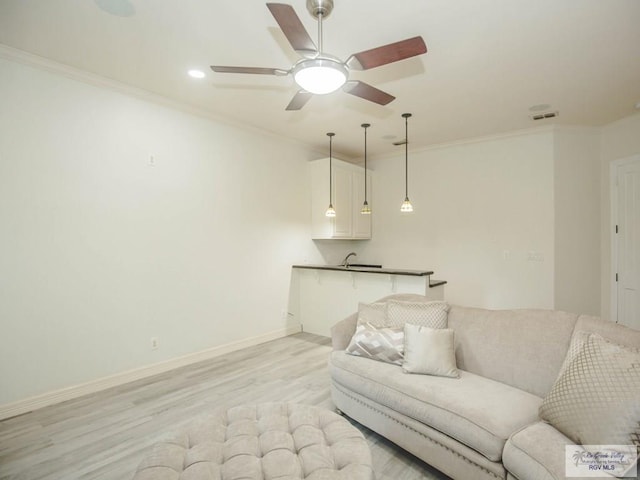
(384, 271)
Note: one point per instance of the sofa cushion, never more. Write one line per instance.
(476, 411)
(610, 330)
(536, 452)
(509, 346)
(595, 400)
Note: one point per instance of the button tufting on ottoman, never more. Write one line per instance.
(262, 442)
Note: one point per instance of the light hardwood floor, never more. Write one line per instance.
(105, 435)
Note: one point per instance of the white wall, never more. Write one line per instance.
(474, 202)
(619, 140)
(481, 209)
(577, 220)
(99, 251)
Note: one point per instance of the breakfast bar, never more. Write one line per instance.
(321, 293)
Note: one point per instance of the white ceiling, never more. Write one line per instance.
(488, 61)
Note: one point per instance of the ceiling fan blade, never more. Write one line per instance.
(254, 70)
(366, 91)
(299, 100)
(387, 54)
(292, 28)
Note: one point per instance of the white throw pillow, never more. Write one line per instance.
(429, 351)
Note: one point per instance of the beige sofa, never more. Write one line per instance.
(484, 425)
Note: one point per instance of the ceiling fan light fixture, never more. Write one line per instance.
(320, 75)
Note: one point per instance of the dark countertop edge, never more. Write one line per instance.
(384, 271)
(436, 283)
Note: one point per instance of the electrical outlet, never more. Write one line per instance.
(533, 256)
(154, 343)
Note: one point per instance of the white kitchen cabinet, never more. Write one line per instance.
(347, 199)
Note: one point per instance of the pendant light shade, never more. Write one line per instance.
(331, 212)
(406, 205)
(366, 210)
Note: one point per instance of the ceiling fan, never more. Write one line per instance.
(320, 73)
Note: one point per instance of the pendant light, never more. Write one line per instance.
(366, 210)
(330, 211)
(406, 205)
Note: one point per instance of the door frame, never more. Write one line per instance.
(613, 189)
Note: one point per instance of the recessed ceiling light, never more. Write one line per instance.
(194, 73)
(540, 108)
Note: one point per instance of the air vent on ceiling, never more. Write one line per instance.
(543, 115)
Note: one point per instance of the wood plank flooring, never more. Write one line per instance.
(104, 436)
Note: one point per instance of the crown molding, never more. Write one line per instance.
(51, 66)
(634, 117)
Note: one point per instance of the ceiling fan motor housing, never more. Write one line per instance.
(320, 7)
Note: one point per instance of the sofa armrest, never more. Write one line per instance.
(342, 332)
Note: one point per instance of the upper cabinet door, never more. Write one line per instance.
(347, 198)
(343, 202)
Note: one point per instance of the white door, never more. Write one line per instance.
(628, 242)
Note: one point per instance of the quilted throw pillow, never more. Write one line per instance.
(384, 344)
(578, 341)
(429, 314)
(596, 399)
(372, 313)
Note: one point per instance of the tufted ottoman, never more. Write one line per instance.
(262, 442)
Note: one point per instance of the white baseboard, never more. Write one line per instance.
(57, 396)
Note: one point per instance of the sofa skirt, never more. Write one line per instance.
(433, 447)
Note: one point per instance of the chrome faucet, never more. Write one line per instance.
(345, 262)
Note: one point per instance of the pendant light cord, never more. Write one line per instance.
(406, 154)
(330, 135)
(365, 126)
